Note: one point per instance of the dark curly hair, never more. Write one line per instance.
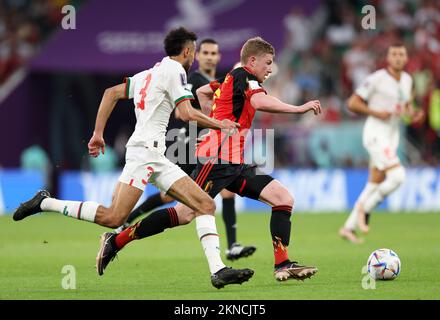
(176, 39)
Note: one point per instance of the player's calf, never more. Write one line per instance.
(109, 218)
(393, 179)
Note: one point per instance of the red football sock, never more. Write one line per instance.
(156, 222)
(126, 236)
(280, 230)
(280, 252)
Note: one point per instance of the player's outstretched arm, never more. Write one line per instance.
(263, 102)
(205, 96)
(108, 103)
(186, 112)
(357, 105)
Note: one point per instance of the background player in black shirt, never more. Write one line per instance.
(208, 56)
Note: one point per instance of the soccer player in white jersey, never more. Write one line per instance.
(156, 92)
(208, 56)
(384, 97)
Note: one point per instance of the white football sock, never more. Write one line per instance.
(207, 232)
(75, 209)
(393, 179)
(351, 222)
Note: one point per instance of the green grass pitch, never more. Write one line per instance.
(172, 265)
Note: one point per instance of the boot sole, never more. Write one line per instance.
(287, 274)
(245, 254)
(99, 256)
(243, 277)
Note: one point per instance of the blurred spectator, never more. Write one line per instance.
(434, 109)
(107, 162)
(341, 30)
(337, 57)
(332, 111)
(24, 26)
(307, 76)
(119, 145)
(322, 155)
(35, 158)
(326, 55)
(434, 122)
(71, 115)
(298, 31)
(358, 62)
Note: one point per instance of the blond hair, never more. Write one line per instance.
(255, 47)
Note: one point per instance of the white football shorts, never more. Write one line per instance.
(382, 155)
(143, 165)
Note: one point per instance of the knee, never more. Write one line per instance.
(186, 217)
(289, 200)
(398, 174)
(284, 198)
(394, 178)
(208, 206)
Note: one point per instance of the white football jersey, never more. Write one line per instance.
(155, 93)
(383, 92)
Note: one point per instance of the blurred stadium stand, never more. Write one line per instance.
(327, 54)
(51, 80)
(322, 52)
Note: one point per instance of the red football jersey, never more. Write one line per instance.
(232, 97)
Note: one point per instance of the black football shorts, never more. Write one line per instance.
(241, 179)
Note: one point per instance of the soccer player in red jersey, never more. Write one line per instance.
(208, 56)
(237, 97)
